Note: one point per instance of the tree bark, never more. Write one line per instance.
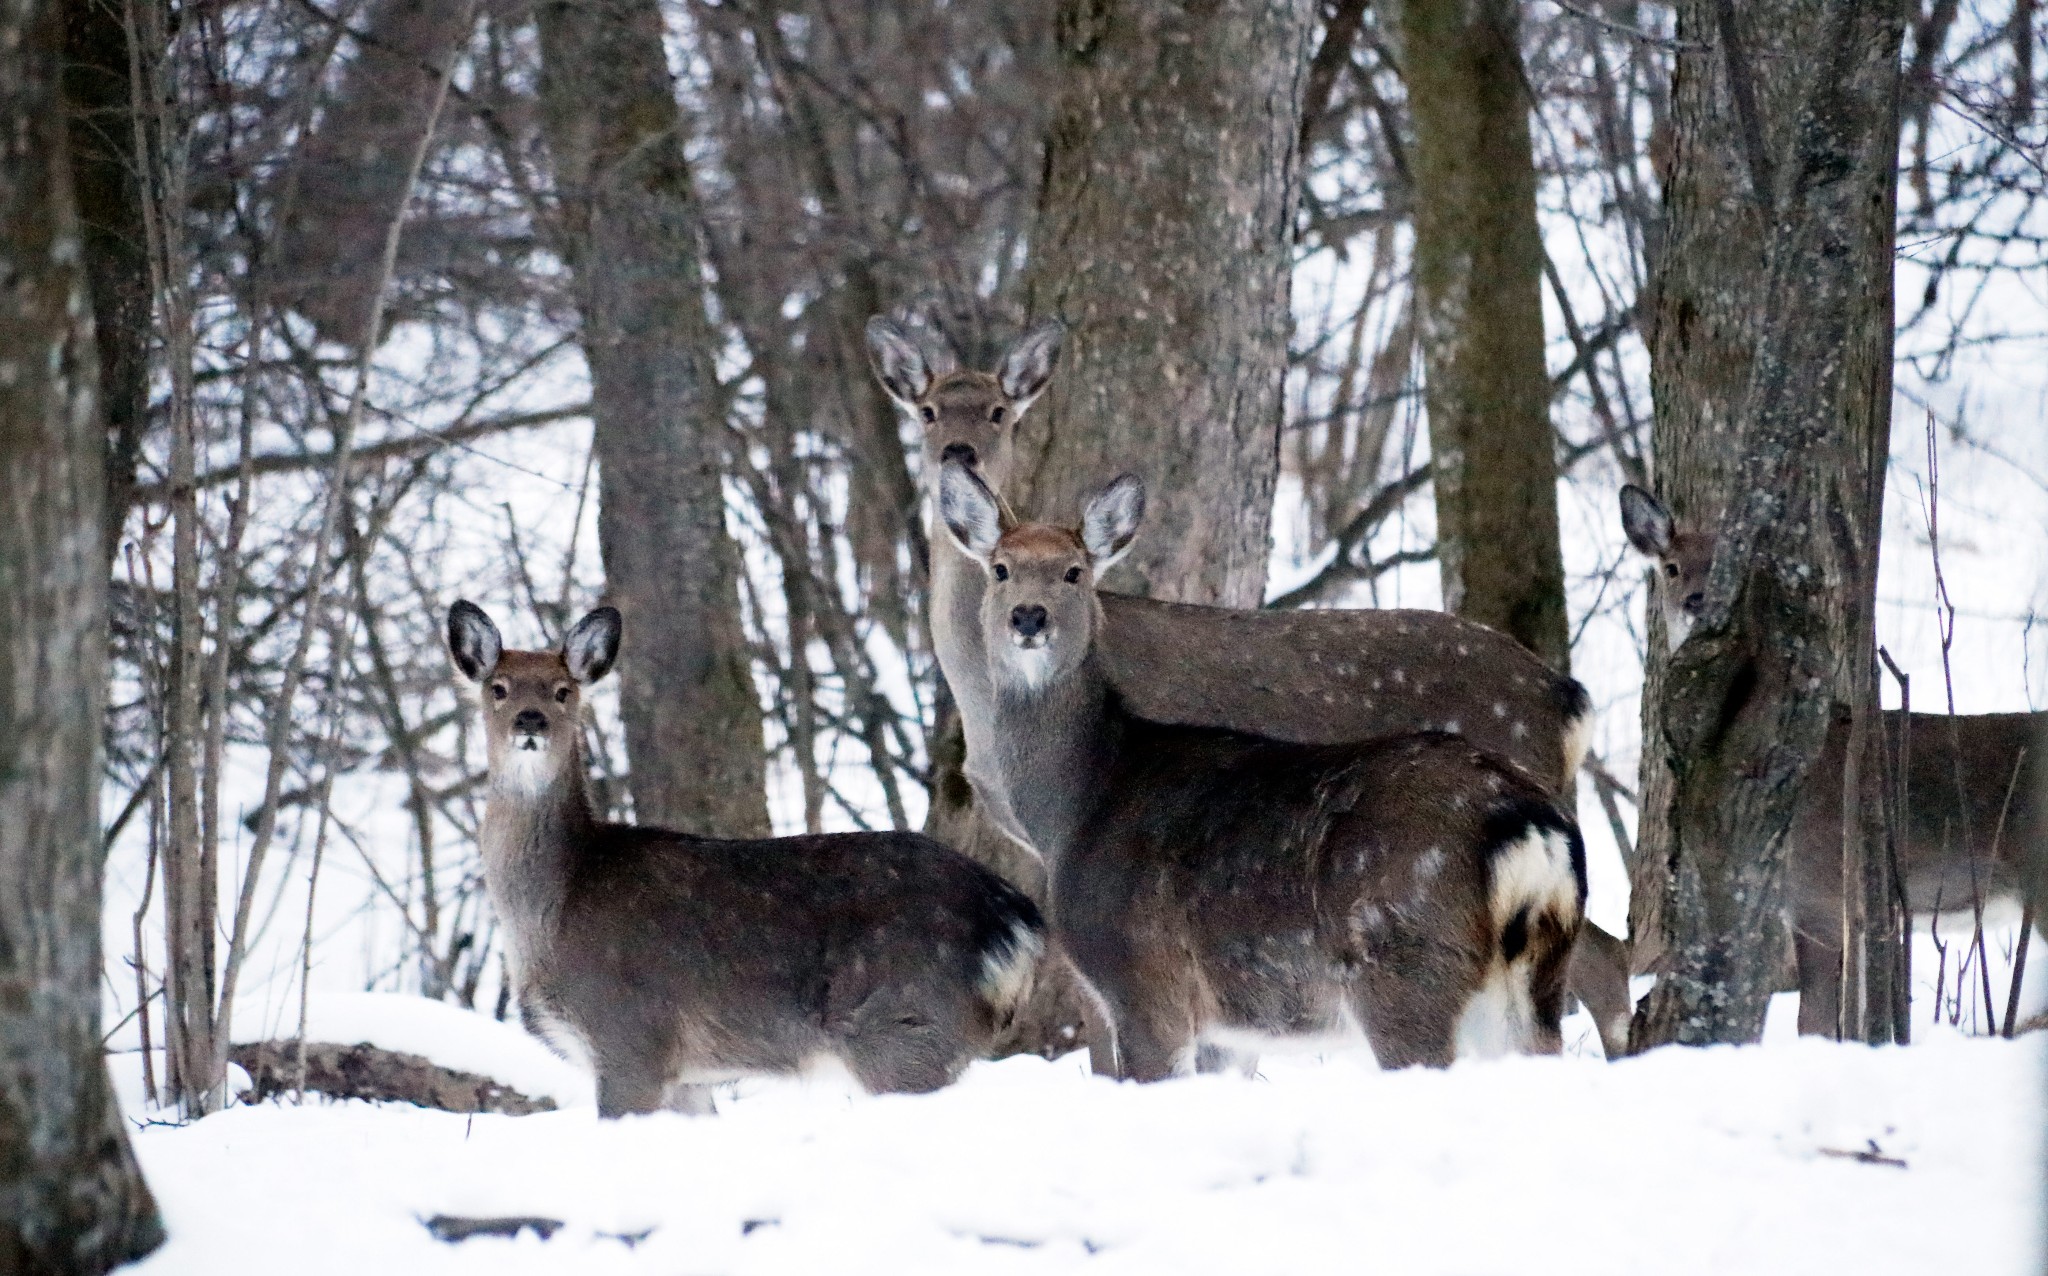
(1479, 280)
(99, 106)
(693, 723)
(353, 171)
(1771, 363)
(72, 1198)
(1164, 241)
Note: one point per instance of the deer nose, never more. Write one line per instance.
(1693, 602)
(1028, 620)
(530, 722)
(961, 452)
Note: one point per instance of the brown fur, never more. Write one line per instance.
(1209, 881)
(1312, 677)
(674, 960)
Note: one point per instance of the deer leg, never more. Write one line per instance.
(1153, 1030)
(1412, 997)
(688, 1099)
(626, 1088)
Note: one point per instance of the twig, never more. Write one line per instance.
(314, 611)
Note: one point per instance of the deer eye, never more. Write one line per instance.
(1002, 572)
(498, 691)
(996, 414)
(562, 695)
(1671, 570)
(929, 413)
(1073, 575)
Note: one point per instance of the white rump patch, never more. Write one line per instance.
(1007, 976)
(1534, 872)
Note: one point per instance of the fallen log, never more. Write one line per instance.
(364, 1071)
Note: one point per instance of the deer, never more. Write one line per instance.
(1970, 813)
(1310, 676)
(1218, 885)
(670, 962)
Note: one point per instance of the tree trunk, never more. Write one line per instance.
(693, 724)
(352, 174)
(1479, 280)
(72, 1198)
(100, 109)
(1164, 241)
(1771, 362)
(1175, 293)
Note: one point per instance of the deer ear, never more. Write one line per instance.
(473, 640)
(593, 644)
(1027, 365)
(971, 513)
(1646, 521)
(899, 365)
(1111, 521)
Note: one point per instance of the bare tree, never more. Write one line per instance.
(1478, 282)
(630, 232)
(352, 172)
(1771, 356)
(99, 103)
(72, 1198)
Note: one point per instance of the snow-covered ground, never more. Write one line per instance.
(1724, 1161)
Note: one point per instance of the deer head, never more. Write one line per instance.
(966, 416)
(532, 699)
(1682, 556)
(1039, 614)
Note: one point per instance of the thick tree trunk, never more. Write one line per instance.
(99, 105)
(1771, 361)
(693, 724)
(352, 174)
(1479, 279)
(1164, 241)
(72, 1198)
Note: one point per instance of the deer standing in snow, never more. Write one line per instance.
(1216, 885)
(671, 961)
(1308, 676)
(1971, 813)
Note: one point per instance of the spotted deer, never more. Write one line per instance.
(1215, 885)
(1307, 676)
(1971, 813)
(670, 961)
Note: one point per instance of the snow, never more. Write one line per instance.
(1684, 1160)
(447, 1034)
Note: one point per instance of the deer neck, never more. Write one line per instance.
(531, 841)
(957, 586)
(1054, 748)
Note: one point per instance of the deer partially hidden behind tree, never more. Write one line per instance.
(1311, 677)
(1972, 814)
(1219, 886)
(670, 961)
